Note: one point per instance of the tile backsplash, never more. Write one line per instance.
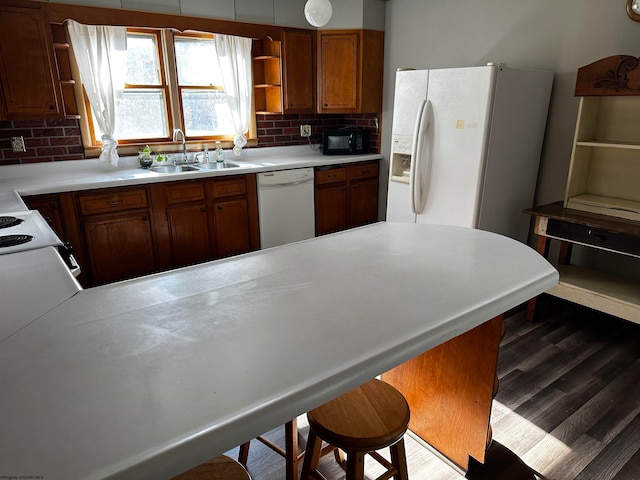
(57, 140)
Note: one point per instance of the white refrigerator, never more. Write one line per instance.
(466, 145)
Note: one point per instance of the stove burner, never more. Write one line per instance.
(11, 240)
(7, 221)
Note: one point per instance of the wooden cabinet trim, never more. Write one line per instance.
(180, 192)
(112, 200)
(228, 186)
(331, 175)
(363, 170)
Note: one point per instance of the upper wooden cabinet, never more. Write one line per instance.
(29, 88)
(299, 71)
(350, 64)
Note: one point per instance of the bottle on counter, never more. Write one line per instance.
(219, 153)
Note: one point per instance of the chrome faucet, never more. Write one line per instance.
(177, 133)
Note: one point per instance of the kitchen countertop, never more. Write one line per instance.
(148, 377)
(55, 177)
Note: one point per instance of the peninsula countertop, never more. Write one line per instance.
(149, 377)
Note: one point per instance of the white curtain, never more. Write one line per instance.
(234, 59)
(101, 54)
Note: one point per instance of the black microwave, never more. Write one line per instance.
(343, 142)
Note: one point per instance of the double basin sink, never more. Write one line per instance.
(192, 167)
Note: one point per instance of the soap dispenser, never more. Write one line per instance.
(219, 153)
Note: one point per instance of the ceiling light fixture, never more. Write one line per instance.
(318, 12)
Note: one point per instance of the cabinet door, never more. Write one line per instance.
(339, 74)
(232, 233)
(331, 208)
(363, 202)
(26, 74)
(119, 247)
(189, 235)
(299, 71)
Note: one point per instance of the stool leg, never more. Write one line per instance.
(243, 454)
(355, 465)
(399, 460)
(291, 449)
(311, 456)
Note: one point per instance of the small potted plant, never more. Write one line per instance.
(144, 157)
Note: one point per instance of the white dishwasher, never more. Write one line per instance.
(286, 206)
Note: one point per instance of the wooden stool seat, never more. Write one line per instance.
(368, 418)
(218, 468)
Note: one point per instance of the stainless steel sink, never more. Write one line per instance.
(173, 168)
(216, 166)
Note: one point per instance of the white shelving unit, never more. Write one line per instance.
(601, 207)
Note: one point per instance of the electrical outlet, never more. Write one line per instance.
(305, 130)
(17, 145)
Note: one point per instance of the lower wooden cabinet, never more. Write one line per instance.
(189, 234)
(126, 232)
(346, 196)
(235, 214)
(232, 230)
(200, 220)
(119, 247)
(116, 233)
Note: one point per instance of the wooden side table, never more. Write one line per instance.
(604, 292)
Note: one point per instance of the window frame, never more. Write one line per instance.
(173, 99)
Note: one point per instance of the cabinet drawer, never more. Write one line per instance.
(178, 192)
(230, 187)
(363, 170)
(605, 239)
(113, 201)
(331, 175)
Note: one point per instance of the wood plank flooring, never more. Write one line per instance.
(568, 404)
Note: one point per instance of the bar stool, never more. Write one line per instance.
(218, 468)
(368, 418)
(291, 453)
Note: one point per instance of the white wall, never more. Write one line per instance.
(557, 35)
(346, 13)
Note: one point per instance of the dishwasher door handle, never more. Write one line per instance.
(285, 184)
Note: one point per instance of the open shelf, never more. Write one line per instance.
(267, 76)
(615, 207)
(611, 294)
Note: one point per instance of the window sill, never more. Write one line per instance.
(170, 148)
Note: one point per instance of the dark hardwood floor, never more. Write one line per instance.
(568, 405)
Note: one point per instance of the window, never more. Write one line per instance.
(172, 81)
(205, 110)
(143, 112)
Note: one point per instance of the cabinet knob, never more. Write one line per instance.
(144, 218)
(52, 107)
(202, 210)
(114, 201)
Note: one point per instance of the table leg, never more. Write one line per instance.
(542, 247)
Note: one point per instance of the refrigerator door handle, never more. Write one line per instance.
(417, 178)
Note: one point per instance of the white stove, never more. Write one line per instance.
(25, 230)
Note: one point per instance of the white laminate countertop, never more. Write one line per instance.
(55, 177)
(146, 378)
